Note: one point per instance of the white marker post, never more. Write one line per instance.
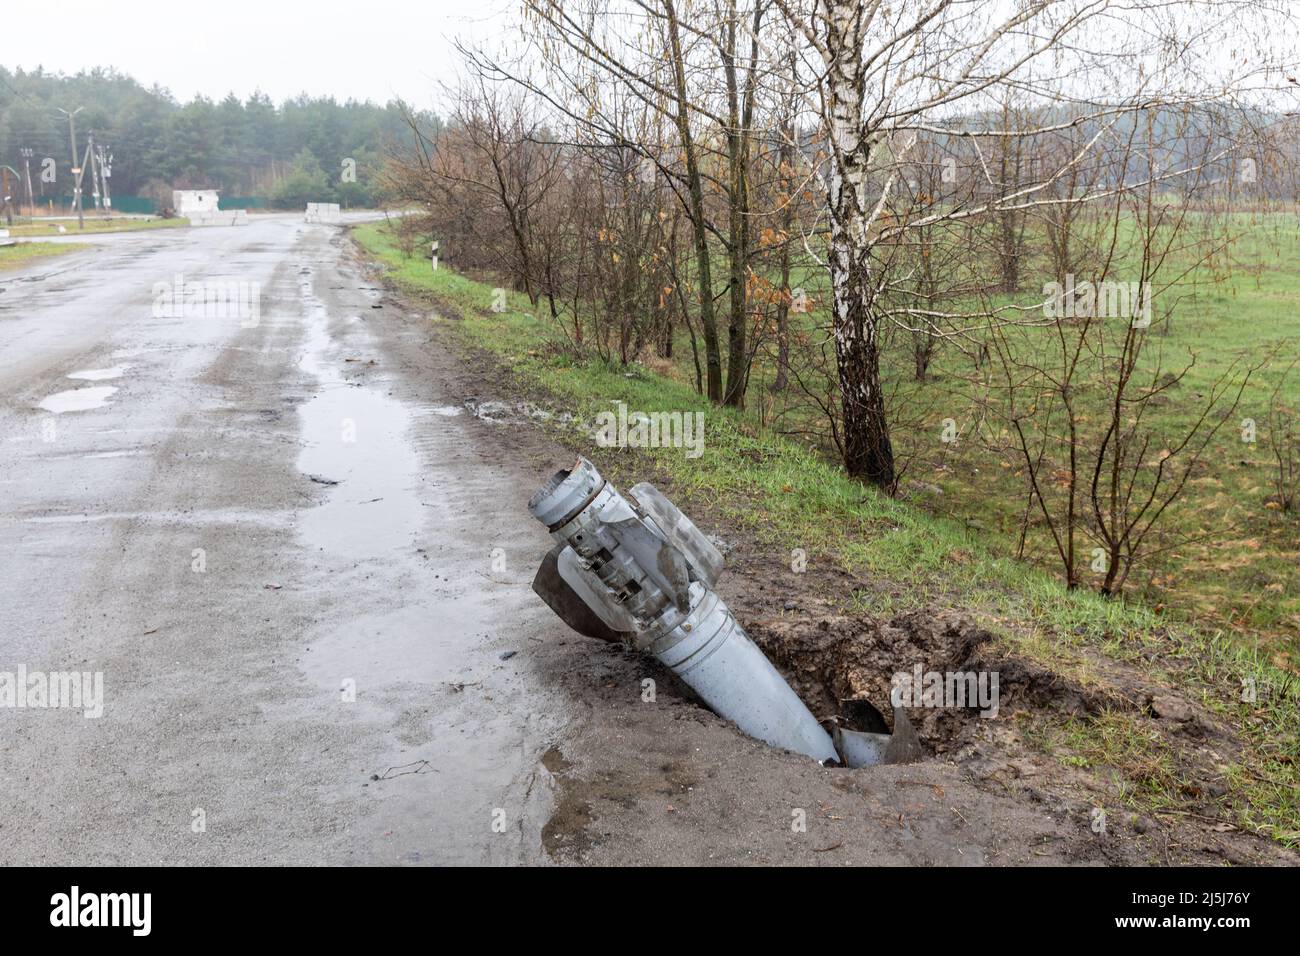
(434, 255)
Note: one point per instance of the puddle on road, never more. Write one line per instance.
(196, 518)
(355, 436)
(78, 399)
(119, 453)
(84, 455)
(98, 374)
(412, 618)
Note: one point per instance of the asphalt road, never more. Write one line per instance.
(277, 557)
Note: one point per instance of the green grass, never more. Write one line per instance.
(21, 253)
(1149, 779)
(786, 496)
(1236, 567)
(93, 225)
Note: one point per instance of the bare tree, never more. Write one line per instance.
(1080, 395)
(1283, 429)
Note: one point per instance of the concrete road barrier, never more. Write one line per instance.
(323, 212)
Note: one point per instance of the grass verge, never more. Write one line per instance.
(50, 228)
(21, 253)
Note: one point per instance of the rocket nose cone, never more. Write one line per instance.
(567, 493)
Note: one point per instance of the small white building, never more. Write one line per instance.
(190, 202)
(201, 208)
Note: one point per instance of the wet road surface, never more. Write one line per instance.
(284, 560)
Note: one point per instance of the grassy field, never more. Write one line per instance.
(787, 495)
(93, 225)
(1234, 557)
(21, 253)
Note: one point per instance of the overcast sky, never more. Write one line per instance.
(374, 49)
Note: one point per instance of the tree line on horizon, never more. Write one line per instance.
(295, 152)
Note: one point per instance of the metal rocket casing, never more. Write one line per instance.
(648, 572)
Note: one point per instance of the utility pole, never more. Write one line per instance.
(76, 170)
(8, 185)
(27, 169)
(93, 158)
(81, 174)
(105, 171)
